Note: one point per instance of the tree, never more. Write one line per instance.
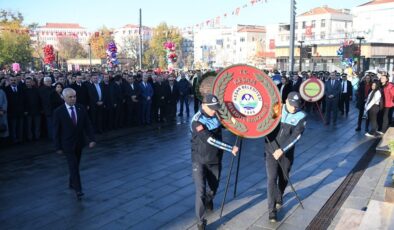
(99, 41)
(130, 49)
(70, 48)
(14, 39)
(156, 55)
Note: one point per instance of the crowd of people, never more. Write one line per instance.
(124, 99)
(373, 94)
(112, 99)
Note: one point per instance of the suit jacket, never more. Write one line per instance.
(45, 96)
(296, 85)
(129, 91)
(173, 94)
(146, 91)
(32, 101)
(93, 94)
(82, 93)
(15, 101)
(68, 136)
(286, 90)
(160, 91)
(332, 90)
(349, 89)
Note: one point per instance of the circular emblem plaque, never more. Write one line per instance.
(250, 101)
(312, 89)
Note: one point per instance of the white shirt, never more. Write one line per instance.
(132, 86)
(281, 89)
(98, 90)
(344, 87)
(69, 111)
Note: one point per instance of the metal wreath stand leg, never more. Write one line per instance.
(237, 172)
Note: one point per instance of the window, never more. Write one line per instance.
(313, 36)
(313, 23)
(323, 23)
(242, 39)
(303, 25)
(323, 35)
(303, 37)
(296, 26)
(252, 39)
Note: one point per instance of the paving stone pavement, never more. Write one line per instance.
(141, 179)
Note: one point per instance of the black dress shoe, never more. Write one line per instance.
(358, 129)
(79, 195)
(272, 217)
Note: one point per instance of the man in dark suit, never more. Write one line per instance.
(108, 104)
(161, 93)
(45, 95)
(71, 123)
(346, 95)
(32, 110)
(297, 81)
(184, 92)
(332, 92)
(15, 98)
(82, 91)
(173, 98)
(146, 100)
(132, 93)
(96, 103)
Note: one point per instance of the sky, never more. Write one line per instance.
(117, 13)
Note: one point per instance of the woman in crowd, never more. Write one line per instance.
(284, 88)
(362, 93)
(372, 108)
(56, 96)
(388, 96)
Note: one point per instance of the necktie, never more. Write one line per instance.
(332, 83)
(343, 87)
(14, 89)
(73, 117)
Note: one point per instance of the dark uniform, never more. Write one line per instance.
(284, 137)
(207, 151)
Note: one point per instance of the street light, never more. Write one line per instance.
(359, 38)
(300, 68)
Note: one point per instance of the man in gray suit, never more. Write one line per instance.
(332, 91)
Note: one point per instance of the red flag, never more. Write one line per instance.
(237, 11)
(308, 31)
(272, 44)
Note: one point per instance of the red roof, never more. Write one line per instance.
(321, 10)
(133, 26)
(375, 2)
(63, 26)
(252, 30)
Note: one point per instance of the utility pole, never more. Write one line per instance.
(300, 68)
(292, 32)
(90, 57)
(359, 38)
(140, 33)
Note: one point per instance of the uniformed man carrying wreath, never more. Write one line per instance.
(279, 149)
(207, 152)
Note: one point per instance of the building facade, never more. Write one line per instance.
(224, 46)
(50, 33)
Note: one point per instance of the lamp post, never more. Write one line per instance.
(90, 57)
(300, 68)
(359, 38)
